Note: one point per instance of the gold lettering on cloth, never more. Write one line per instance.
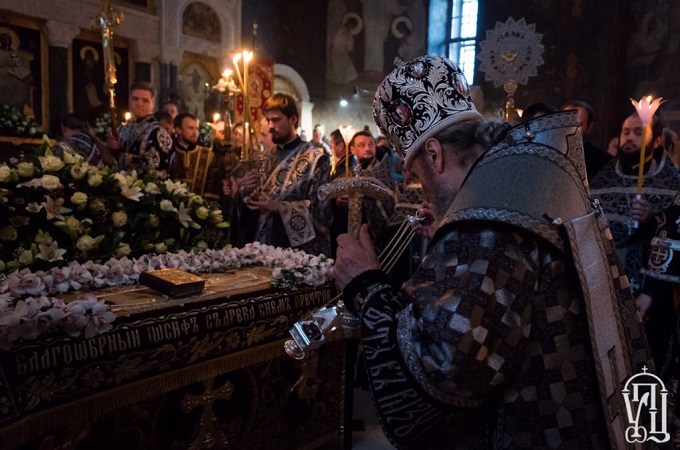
(73, 352)
(310, 299)
(239, 315)
(274, 308)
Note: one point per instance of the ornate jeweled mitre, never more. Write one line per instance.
(419, 99)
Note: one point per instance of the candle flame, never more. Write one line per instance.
(247, 56)
(227, 73)
(128, 116)
(646, 108)
(237, 58)
(216, 117)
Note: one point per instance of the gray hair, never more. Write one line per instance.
(469, 136)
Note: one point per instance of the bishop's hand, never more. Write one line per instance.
(354, 257)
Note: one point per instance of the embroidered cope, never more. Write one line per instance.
(293, 176)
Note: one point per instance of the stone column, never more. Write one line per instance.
(168, 88)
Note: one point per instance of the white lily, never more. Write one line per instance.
(51, 252)
(54, 208)
(183, 214)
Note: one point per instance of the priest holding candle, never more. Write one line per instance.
(638, 184)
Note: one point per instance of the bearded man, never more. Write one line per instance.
(190, 162)
(632, 219)
(488, 344)
(291, 214)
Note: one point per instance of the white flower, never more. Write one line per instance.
(119, 219)
(86, 242)
(79, 198)
(202, 212)
(24, 169)
(184, 216)
(26, 257)
(33, 207)
(99, 319)
(166, 205)
(51, 163)
(25, 282)
(51, 252)
(94, 179)
(73, 225)
(5, 173)
(151, 188)
(72, 158)
(61, 277)
(175, 188)
(43, 238)
(97, 205)
(54, 208)
(131, 192)
(123, 250)
(50, 182)
(78, 171)
(8, 233)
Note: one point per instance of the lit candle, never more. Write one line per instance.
(216, 117)
(128, 116)
(246, 140)
(237, 58)
(645, 109)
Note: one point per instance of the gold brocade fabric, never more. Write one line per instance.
(156, 344)
(191, 167)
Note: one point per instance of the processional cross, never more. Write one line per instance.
(310, 333)
(104, 22)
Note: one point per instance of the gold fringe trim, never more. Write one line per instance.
(89, 408)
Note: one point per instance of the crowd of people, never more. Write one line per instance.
(492, 341)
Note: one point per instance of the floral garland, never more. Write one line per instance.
(27, 310)
(14, 123)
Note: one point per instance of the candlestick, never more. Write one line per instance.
(645, 109)
(235, 60)
(246, 141)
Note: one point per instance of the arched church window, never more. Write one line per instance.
(456, 37)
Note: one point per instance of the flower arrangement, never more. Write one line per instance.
(13, 123)
(101, 126)
(205, 134)
(27, 310)
(66, 225)
(54, 210)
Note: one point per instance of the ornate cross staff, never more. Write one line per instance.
(356, 188)
(105, 21)
(310, 333)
